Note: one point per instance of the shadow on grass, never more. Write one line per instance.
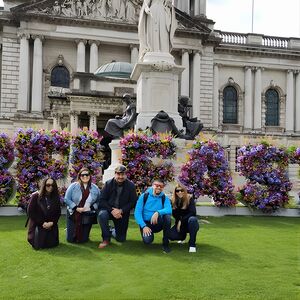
(64, 249)
(136, 248)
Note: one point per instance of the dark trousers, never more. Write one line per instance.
(192, 229)
(121, 225)
(71, 230)
(164, 223)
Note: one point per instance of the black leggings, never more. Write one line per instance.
(193, 227)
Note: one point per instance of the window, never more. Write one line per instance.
(272, 108)
(230, 107)
(60, 76)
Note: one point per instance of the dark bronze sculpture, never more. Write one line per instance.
(116, 127)
(192, 125)
(162, 122)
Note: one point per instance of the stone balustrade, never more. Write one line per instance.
(258, 40)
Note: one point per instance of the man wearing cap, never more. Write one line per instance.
(153, 214)
(117, 198)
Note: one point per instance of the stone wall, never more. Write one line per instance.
(10, 72)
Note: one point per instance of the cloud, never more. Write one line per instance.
(270, 17)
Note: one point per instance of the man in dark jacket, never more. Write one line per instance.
(117, 198)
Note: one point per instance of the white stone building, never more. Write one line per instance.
(242, 86)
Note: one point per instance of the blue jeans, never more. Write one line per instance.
(192, 229)
(164, 223)
(121, 225)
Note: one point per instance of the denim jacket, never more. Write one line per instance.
(73, 196)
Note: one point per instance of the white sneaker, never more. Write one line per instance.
(192, 250)
(113, 233)
(181, 242)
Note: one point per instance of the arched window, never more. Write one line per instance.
(60, 76)
(272, 108)
(230, 105)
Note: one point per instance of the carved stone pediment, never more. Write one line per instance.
(99, 10)
(113, 11)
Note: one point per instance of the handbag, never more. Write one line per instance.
(89, 217)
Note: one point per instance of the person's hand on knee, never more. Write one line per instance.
(147, 231)
(154, 218)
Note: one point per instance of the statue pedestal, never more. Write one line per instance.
(115, 160)
(157, 88)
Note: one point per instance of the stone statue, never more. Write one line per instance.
(192, 125)
(101, 8)
(157, 25)
(116, 127)
(163, 123)
(130, 11)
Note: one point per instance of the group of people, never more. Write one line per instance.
(87, 205)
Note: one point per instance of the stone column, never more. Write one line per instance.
(203, 8)
(289, 106)
(134, 54)
(37, 75)
(248, 108)
(74, 121)
(196, 84)
(183, 6)
(80, 67)
(257, 100)
(298, 102)
(185, 76)
(93, 121)
(216, 97)
(197, 7)
(93, 61)
(23, 98)
(56, 120)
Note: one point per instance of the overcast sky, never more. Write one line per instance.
(271, 17)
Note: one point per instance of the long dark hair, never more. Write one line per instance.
(54, 194)
(79, 179)
(185, 199)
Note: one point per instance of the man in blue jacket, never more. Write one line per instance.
(117, 198)
(153, 214)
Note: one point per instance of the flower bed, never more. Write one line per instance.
(86, 152)
(6, 158)
(207, 173)
(35, 159)
(265, 168)
(138, 150)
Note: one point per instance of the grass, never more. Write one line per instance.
(237, 258)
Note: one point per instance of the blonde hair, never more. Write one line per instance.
(185, 199)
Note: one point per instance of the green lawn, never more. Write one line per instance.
(237, 258)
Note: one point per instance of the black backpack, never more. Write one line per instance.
(146, 195)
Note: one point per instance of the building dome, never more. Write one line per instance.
(115, 69)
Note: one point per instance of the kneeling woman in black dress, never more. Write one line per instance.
(184, 212)
(44, 212)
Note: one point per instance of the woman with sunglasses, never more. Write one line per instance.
(80, 197)
(43, 213)
(184, 212)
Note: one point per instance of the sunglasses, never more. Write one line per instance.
(177, 191)
(84, 175)
(49, 185)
